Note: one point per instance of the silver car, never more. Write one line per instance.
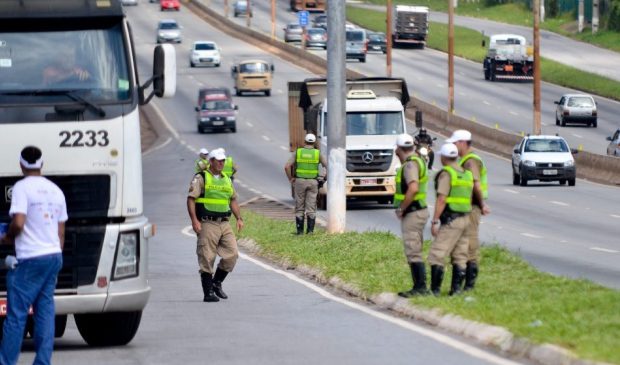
(293, 32)
(129, 2)
(576, 108)
(614, 144)
(316, 37)
(168, 31)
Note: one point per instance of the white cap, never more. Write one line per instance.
(204, 151)
(310, 138)
(459, 135)
(217, 154)
(449, 150)
(404, 140)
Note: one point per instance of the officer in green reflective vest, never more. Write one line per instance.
(201, 163)
(210, 202)
(303, 172)
(450, 224)
(472, 162)
(230, 167)
(411, 209)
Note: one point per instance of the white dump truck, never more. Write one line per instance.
(508, 58)
(409, 25)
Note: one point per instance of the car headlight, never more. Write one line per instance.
(569, 163)
(529, 163)
(204, 119)
(230, 119)
(127, 255)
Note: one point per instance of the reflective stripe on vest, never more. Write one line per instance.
(484, 186)
(420, 195)
(307, 163)
(217, 194)
(228, 166)
(461, 189)
(205, 163)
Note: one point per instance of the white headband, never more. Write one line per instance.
(32, 166)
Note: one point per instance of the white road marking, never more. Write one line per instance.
(249, 124)
(511, 191)
(440, 86)
(266, 138)
(486, 102)
(255, 191)
(284, 148)
(563, 241)
(157, 147)
(545, 124)
(603, 250)
(530, 235)
(577, 135)
(513, 113)
(161, 117)
(462, 93)
(559, 203)
(615, 215)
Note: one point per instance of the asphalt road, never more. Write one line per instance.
(503, 105)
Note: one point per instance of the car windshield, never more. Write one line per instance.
(204, 47)
(258, 67)
(316, 31)
(293, 26)
(580, 101)
(216, 105)
(376, 37)
(168, 25)
(546, 145)
(355, 36)
(368, 123)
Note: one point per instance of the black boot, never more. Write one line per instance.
(458, 275)
(471, 273)
(310, 228)
(299, 221)
(418, 275)
(436, 279)
(207, 288)
(219, 276)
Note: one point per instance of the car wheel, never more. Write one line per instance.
(363, 60)
(237, 92)
(515, 178)
(200, 130)
(217, 65)
(571, 182)
(594, 124)
(233, 129)
(562, 181)
(557, 121)
(162, 9)
(523, 179)
(267, 92)
(191, 64)
(563, 123)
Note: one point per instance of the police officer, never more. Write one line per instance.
(410, 204)
(201, 162)
(450, 224)
(210, 201)
(230, 167)
(472, 162)
(302, 170)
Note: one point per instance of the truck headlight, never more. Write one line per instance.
(127, 255)
(230, 119)
(529, 163)
(569, 163)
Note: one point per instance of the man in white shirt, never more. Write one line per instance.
(38, 215)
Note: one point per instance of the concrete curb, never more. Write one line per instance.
(496, 337)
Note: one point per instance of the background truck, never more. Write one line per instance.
(508, 58)
(88, 129)
(309, 5)
(409, 25)
(375, 116)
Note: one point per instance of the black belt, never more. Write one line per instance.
(214, 218)
(448, 216)
(413, 207)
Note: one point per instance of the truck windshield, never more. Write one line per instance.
(41, 68)
(380, 123)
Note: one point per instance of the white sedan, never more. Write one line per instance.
(205, 53)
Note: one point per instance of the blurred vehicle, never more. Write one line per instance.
(543, 158)
(614, 144)
(204, 92)
(320, 21)
(293, 32)
(356, 44)
(240, 7)
(168, 31)
(216, 110)
(316, 37)
(252, 75)
(169, 5)
(508, 58)
(205, 53)
(409, 25)
(129, 2)
(377, 42)
(576, 108)
(309, 5)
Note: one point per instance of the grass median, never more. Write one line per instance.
(575, 314)
(467, 44)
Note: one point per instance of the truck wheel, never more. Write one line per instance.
(60, 325)
(108, 329)
(571, 182)
(321, 202)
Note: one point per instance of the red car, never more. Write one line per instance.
(170, 5)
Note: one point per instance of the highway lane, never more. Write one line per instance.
(506, 105)
(563, 230)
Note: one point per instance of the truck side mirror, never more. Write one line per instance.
(164, 79)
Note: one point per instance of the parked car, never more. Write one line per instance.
(614, 144)
(168, 31)
(293, 32)
(576, 108)
(316, 37)
(356, 44)
(320, 21)
(169, 5)
(240, 7)
(205, 53)
(216, 110)
(377, 42)
(129, 2)
(543, 158)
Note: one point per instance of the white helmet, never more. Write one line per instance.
(404, 140)
(310, 138)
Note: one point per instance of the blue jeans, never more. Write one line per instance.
(31, 283)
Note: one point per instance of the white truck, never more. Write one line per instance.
(375, 116)
(409, 25)
(508, 58)
(69, 85)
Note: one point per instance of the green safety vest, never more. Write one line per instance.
(483, 173)
(228, 166)
(420, 195)
(307, 163)
(197, 168)
(461, 189)
(216, 199)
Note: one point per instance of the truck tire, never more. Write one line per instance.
(108, 329)
(60, 325)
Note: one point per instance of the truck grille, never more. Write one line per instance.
(369, 160)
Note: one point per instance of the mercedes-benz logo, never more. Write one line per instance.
(367, 157)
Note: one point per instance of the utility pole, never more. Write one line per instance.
(226, 8)
(537, 127)
(388, 38)
(580, 17)
(303, 27)
(273, 19)
(336, 111)
(248, 14)
(595, 16)
(450, 58)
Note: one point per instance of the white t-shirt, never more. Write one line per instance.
(44, 205)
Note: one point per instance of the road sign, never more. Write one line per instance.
(303, 17)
